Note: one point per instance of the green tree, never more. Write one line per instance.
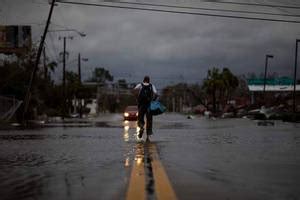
(72, 83)
(219, 86)
(212, 84)
(101, 75)
(14, 80)
(230, 83)
(73, 86)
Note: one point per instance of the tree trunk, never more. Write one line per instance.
(214, 99)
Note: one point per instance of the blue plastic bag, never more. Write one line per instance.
(156, 108)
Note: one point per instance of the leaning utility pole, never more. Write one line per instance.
(45, 65)
(28, 93)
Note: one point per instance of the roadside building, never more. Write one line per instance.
(275, 91)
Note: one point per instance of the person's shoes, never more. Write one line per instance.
(140, 134)
(149, 132)
(148, 138)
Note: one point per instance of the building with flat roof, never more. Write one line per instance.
(275, 86)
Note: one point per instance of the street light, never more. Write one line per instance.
(295, 76)
(265, 77)
(82, 34)
(55, 4)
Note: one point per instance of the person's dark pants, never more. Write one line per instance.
(143, 110)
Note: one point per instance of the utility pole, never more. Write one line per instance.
(64, 79)
(79, 68)
(265, 76)
(64, 75)
(44, 63)
(28, 93)
(295, 76)
(79, 79)
(64, 64)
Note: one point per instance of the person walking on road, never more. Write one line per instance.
(145, 92)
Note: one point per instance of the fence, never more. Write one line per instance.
(8, 107)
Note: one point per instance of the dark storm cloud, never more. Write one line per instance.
(168, 47)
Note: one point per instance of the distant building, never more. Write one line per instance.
(276, 86)
(15, 39)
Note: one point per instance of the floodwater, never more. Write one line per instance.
(203, 158)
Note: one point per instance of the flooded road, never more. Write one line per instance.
(194, 158)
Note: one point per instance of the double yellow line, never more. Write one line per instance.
(137, 186)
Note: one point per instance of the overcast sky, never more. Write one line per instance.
(171, 48)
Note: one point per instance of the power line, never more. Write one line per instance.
(36, 2)
(179, 12)
(207, 9)
(254, 4)
(3, 12)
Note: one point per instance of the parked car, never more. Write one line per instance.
(131, 113)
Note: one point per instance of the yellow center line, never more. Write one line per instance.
(163, 187)
(136, 188)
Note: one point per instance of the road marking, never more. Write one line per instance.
(163, 187)
(136, 189)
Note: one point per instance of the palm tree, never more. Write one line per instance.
(230, 83)
(212, 85)
(101, 75)
(219, 85)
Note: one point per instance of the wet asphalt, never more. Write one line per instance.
(203, 159)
